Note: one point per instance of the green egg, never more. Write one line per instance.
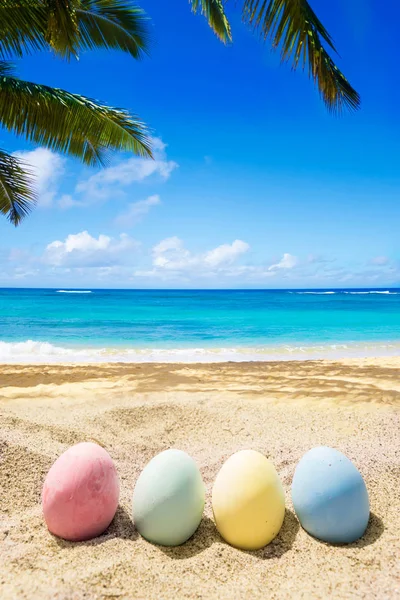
(168, 499)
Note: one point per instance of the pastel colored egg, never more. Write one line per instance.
(248, 500)
(168, 499)
(330, 496)
(80, 493)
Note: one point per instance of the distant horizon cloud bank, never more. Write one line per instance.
(124, 260)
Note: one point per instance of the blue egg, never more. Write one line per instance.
(330, 496)
(168, 499)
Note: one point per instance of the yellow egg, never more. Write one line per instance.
(248, 500)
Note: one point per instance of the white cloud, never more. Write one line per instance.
(172, 243)
(103, 184)
(288, 261)
(83, 260)
(47, 168)
(226, 253)
(171, 256)
(137, 210)
(83, 250)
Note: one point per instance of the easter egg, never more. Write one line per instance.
(248, 501)
(80, 493)
(168, 499)
(330, 497)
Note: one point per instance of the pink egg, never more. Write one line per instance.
(80, 493)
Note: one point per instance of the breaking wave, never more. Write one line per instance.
(387, 292)
(375, 292)
(74, 291)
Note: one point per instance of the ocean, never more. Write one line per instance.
(49, 325)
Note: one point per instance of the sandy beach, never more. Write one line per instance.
(135, 411)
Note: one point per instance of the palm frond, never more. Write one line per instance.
(214, 12)
(113, 24)
(22, 27)
(69, 123)
(62, 30)
(68, 26)
(17, 194)
(6, 69)
(294, 27)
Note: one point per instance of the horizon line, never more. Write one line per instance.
(238, 289)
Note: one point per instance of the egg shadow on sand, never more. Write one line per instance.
(373, 532)
(207, 534)
(283, 541)
(120, 527)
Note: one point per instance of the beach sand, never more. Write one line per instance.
(135, 411)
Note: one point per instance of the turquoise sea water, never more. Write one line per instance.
(44, 325)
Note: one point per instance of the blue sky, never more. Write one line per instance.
(254, 184)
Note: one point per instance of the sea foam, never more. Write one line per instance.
(375, 292)
(74, 291)
(36, 352)
(387, 292)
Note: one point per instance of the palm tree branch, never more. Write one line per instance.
(6, 69)
(17, 194)
(69, 123)
(113, 25)
(296, 30)
(272, 16)
(214, 12)
(62, 29)
(22, 27)
(68, 26)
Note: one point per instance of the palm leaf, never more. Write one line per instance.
(214, 12)
(113, 24)
(68, 26)
(62, 30)
(295, 28)
(17, 195)
(6, 69)
(69, 123)
(22, 27)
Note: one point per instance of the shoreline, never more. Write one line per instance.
(36, 352)
(389, 361)
(135, 411)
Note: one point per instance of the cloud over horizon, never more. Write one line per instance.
(287, 262)
(83, 250)
(82, 259)
(172, 259)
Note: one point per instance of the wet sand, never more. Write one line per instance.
(135, 411)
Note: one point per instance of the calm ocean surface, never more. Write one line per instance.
(44, 325)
